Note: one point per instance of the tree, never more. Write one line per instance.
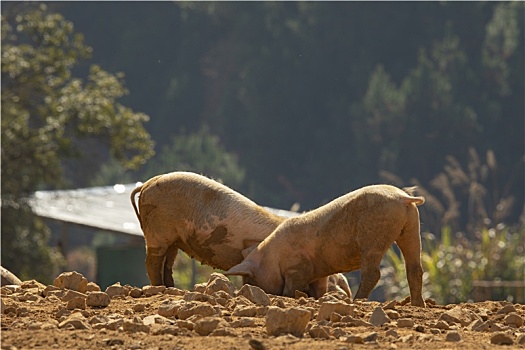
(50, 117)
(200, 152)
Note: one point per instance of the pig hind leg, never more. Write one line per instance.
(409, 242)
(370, 272)
(171, 254)
(155, 258)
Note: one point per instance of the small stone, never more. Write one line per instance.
(370, 337)
(407, 338)
(390, 305)
(442, 325)
(328, 307)
(75, 321)
(255, 294)
(156, 319)
(98, 299)
(459, 315)
(245, 311)
(76, 303)
(196, 296)
(185, 324)
(200, 287)
(453, 336)
(93, 287)
(354, 339)
(338, 332)
(170, 309)
(501, 338)
(319, 332)
(392, 314)
(116, 290)
(135, 293)
(196, 308)
(379, 317)
(71, 280)
(521, 339)
(391, 333)
(134, 327)
(256, 344)
(243, 322)
(71, 294)
(139, 307)
(149, 291)
(219, 282)
(292, 320)
(174, 291)
(513, 319)
(507, 309)
(405, 323)
(300, 295)
(495, 327)
(207, 325)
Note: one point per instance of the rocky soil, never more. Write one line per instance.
(75, 314)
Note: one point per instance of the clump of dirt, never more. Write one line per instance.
(75, 314)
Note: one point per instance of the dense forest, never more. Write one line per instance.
(286, 102)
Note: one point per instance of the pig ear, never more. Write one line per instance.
(245, 268)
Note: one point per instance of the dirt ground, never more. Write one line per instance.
(35, 316)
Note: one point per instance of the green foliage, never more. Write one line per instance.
(454, 263)
(200, 152)
(25, 249)
(47, 115)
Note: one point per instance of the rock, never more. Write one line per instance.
(170, 309)
(521, 339)
(507, 309)
(370, 337)
(174, 291)
(219, 282)
(196, 308)
(459, 315)
(513, 319)
(196, 296)
(71, 294)
(71, 280)
(495, 327)
(76, 303)
(33, 284)
(134, 327)
(379, 317)
(391, 333)
(501, 338)
(243, 322)
(338, 332)
(255, 294)
(139, 307)
(328, 307)
(93, 287)
(98, 299)
(116, 290)
(405, 323)
(185, 324)
(319, 332)
(292, 321)
(245, 311)
(75, 321)
(392, 314)
(207, 325)
(135, 293)
(390, 305)
(156, 319)
(200, 287)
(453, 336)
(354, 339)
(442, 325)
(256, 344)
(149, 291)
(223, 332)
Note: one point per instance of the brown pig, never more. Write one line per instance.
(209, 221)
(352, 232)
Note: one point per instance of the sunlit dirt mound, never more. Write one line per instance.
(75, 314)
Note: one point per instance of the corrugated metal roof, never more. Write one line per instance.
(105, 208)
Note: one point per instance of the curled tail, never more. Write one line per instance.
(134, 204)
(411, 199)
